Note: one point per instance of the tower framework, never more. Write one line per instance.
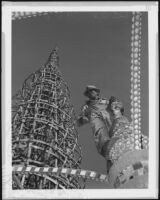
(43, 130)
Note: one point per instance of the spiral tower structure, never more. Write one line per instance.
(43, 131)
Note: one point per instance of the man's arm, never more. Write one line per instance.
(105, 101)
(83, 117)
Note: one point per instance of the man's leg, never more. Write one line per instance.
(105, 154)
(108, 165)
(101, 138)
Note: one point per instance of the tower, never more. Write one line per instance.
(129, 152)
(43, 131)
(130, 165)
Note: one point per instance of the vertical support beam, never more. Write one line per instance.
(56, 118)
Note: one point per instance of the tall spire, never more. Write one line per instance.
(53, 57)
(43, 130)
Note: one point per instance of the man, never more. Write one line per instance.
(119, 121)
(95, 112)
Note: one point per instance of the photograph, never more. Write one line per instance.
(78, 84)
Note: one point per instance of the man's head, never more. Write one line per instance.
(116, 106)
(92, 92)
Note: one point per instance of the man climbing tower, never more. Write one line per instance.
(95, 112)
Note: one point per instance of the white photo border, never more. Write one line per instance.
(152, 9)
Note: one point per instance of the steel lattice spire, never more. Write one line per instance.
(43, 131)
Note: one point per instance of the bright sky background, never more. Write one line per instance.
(94, 48)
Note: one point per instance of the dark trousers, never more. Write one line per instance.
(105, 154)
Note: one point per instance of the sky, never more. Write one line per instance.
(94, 49)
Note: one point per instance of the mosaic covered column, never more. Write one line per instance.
(129, 147)
(135, 76)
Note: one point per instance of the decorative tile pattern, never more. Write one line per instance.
(135, 76)
(132, 171)
(24, 15)
(67, 171)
